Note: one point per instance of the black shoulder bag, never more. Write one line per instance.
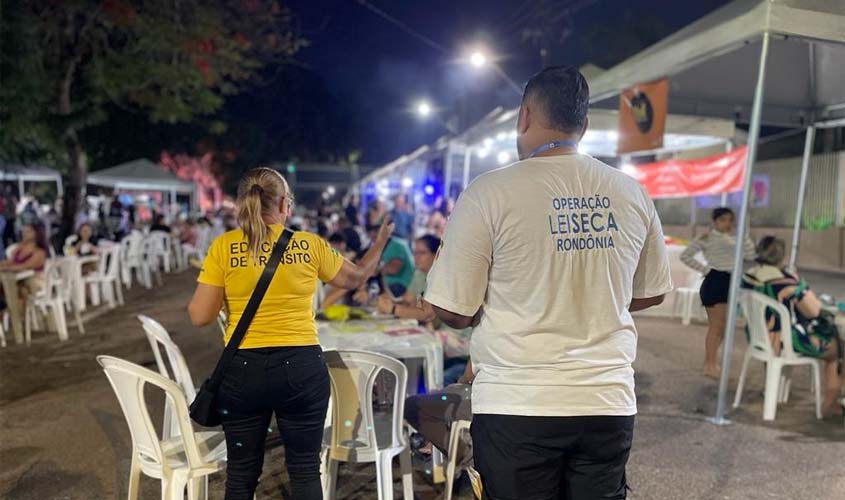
(204, 408)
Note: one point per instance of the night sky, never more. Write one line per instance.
(378, 70)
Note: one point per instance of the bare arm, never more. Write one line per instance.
(688, 257)
(35, 261)
(392, 267)
(205, 304)
(352, 276)
(455, 320)
(332, 296)
(640, 304)
(420, 310)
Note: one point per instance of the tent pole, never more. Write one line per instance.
(20, 188)
(802, 188)
(467, 157)
(447, 171)
(728, 148)
(730, 325)
(60, 187)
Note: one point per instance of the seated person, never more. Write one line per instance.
(160, 225)
(397, 264)
(338, 241)
(30, 255)
(412, 306)
(813, 334)
(432, 416)
(86, 241)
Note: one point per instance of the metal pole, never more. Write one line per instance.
(20, 188)
(447, 171)
(728, 147)
(802, 187)
(467, 158)
(730, 325)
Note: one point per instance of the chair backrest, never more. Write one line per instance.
(66, 268)
(54, 280)
(162, 240)
(159, 338)
(128, 381)
(353, 376)
(110, 259)
(754, 307)
(204, 235)
(694, 279)
(10, 250)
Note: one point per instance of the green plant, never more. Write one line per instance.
(818, 223)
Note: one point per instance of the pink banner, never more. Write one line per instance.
(683, 178)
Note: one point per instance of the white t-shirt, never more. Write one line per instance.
(552, 249)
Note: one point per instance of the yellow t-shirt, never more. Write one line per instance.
(285, 316)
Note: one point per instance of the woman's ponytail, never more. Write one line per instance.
(259, 193)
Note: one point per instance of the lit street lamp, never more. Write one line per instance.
(478, 59)
(424, 109)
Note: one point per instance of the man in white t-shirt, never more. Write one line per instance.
(547, 258)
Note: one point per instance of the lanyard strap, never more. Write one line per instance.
(552, 145)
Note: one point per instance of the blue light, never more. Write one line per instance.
(429, 189)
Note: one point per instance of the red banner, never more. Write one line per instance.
(683, 178)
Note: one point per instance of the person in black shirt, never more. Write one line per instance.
(160, 225)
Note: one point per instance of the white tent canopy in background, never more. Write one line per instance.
(142, 175)
(712, 64)
(30, 173)
(777, 62)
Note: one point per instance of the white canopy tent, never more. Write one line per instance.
(31, 173)
(718, 67)
(143, 175)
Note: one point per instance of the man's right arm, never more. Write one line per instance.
(640, 304)
(653, 277)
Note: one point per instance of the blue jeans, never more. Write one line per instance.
(293, 384)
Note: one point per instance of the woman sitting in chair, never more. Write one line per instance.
(813, 333)
(29, 255)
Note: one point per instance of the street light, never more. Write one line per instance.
(424, 109)
(478, 59)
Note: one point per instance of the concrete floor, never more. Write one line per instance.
(62, 434)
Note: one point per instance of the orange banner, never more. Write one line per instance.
(642, 117)
(718, 174)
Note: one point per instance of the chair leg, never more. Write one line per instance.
(134, 477)
(95, 293)
(454, 440)
(384, 476)
(119, 289)
(687, 304)
(407, 473)
(78, 318)
(786, 385)
(195, 487)
(28, 312)
(741, 384)
(817, 384)
(330, 484)
(59, 319)
(772, 391)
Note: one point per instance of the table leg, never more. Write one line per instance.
(10, 291)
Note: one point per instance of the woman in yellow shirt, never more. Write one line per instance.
(279, 367)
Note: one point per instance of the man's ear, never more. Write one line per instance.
(585, 127)
(525, 117)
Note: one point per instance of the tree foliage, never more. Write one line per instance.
(65, 64)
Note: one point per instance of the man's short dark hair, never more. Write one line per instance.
(564, 96)
(337, 238)
(720, 211)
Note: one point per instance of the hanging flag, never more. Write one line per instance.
(718, 174)
(642, 117)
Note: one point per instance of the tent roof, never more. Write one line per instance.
(712, 63)
(9, 172)
(142, 175)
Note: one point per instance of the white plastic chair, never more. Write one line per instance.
(199, 250)
(70, 273)
(178, 372)
(357, 434)
(754, 306)
(686, 298)
(4, 326)
(457, 429)
(69, 241)
(185, 460)
(162, 248)
(10, 250)
(132, 259)
(151, 262)
(106, 278)
(48, 298)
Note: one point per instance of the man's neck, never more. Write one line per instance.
(556, 151)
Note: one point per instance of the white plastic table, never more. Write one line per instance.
(9, 280)
(373, 336)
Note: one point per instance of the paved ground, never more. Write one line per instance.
(62, 435)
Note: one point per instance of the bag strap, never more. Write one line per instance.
(251, 308)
